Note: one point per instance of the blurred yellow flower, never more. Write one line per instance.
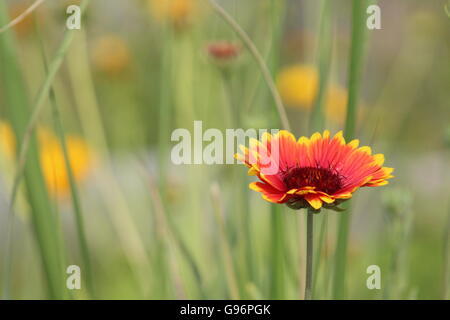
(336, 103)
(52, 157)
(298, 86)
(111, 55)
(178, 12)
(7, 140)
(24, 27)
(53, 164)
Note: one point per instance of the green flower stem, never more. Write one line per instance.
(277, 280)
(258, 58)
(355, 73)
(309, 254)
(318, 252)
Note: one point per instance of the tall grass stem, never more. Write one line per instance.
(76, 203)
(39, 104)
(354, 83)
(259, 60)
(317, 120)
(309, 254)
(226, 250)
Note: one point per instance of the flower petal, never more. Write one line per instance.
(285, 143)
(268, 192)
(314, 201)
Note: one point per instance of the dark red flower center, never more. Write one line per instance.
(323, 179)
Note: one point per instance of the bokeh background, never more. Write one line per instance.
(139, 69)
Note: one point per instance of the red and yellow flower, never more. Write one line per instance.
(316, 172)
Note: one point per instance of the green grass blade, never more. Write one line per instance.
(43, 216)
(42, 97)
(354, 83)
(230, 269)
(76, 203)
(317, 120)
